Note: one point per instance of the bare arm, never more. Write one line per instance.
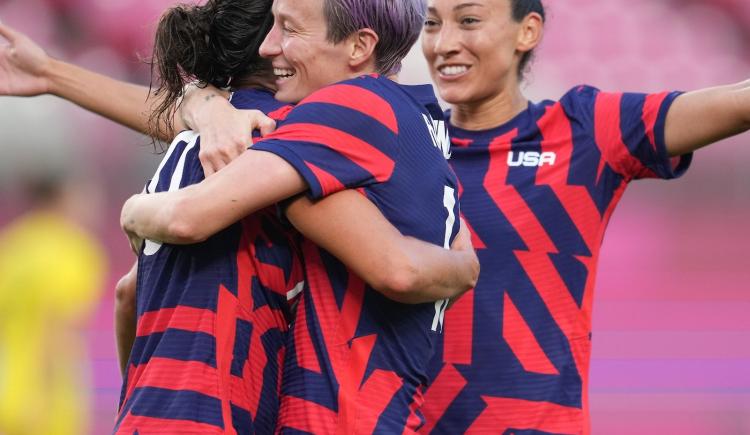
(193, 214)
(404, 269)
(124, 103)
(26, 70)
(702, 117)
(125, 316)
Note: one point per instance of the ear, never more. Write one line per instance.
(530, 32)
(362, 53)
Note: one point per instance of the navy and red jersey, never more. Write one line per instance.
(356, 360)
(212, 317)
(537, 193)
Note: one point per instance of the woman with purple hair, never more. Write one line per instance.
(540, 182)
(377, 254)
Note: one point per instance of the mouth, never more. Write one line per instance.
(283, 74)
(452, 71)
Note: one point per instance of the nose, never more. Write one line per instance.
(271, 46)
(447, 42)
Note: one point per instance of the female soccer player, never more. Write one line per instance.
(540, 181)
(330, 220)
(529, 316)
(358, 360)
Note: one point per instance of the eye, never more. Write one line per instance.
(468, 21)
(431, 23)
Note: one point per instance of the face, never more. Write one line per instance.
(471, 48)
(303, 59)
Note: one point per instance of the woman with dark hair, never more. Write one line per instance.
(540, 181)
(212, 316)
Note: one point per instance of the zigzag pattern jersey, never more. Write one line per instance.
(212, 317)
(537, 193)
(356, 360)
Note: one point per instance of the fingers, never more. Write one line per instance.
(214, 158)
(462, 242)
(258, 120)
(225, 141)
(7, 32)
(267, 126)
(209, 163)
(136, 243)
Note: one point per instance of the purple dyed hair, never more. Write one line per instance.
(397, 23)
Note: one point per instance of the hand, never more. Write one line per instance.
(225, 131)
(23, 65)
(462, 242)
(136, 242)
(225, 137)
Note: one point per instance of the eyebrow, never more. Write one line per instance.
(466, 5)
(432, 10)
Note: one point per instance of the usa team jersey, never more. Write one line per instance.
(537, 193)
(212, 317)
(356, 361)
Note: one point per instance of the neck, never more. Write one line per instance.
(490, 112)
(257, 82)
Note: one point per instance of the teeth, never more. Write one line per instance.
(283, 72)
(453, 70)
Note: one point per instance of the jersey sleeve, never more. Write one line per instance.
(628, 129)
(343, 136)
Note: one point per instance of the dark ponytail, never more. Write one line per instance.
(216, 43)
(519, 10)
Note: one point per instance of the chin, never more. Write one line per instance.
(288, 95)
(455, 96)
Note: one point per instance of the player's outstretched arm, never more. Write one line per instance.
(125, 316)
(404, 269)
(27, 70)
(254, 180)
(702, 117)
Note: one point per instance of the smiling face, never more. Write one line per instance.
(303, 59)
(472, 48)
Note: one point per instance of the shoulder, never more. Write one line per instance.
(255, 99)
(354, 92)
(357, 101)
(580, 93)
(579, 103)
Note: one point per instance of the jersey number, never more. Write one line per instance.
(191, 138)
(449, 202)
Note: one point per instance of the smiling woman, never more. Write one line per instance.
(540, 181)
(365, 132)
(466, 43)
(379, 33)
(212, 315)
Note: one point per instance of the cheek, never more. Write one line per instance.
(428, 46)
(493, 56)
(294, 52)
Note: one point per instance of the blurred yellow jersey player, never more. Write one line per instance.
(51, 274)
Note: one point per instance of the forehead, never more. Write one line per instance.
(299, 10)
(450, 6)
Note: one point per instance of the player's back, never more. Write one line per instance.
(357, 360)
(212, 316)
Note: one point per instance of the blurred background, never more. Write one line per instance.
(672, 312)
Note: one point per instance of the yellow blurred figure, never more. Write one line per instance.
(51, 274)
